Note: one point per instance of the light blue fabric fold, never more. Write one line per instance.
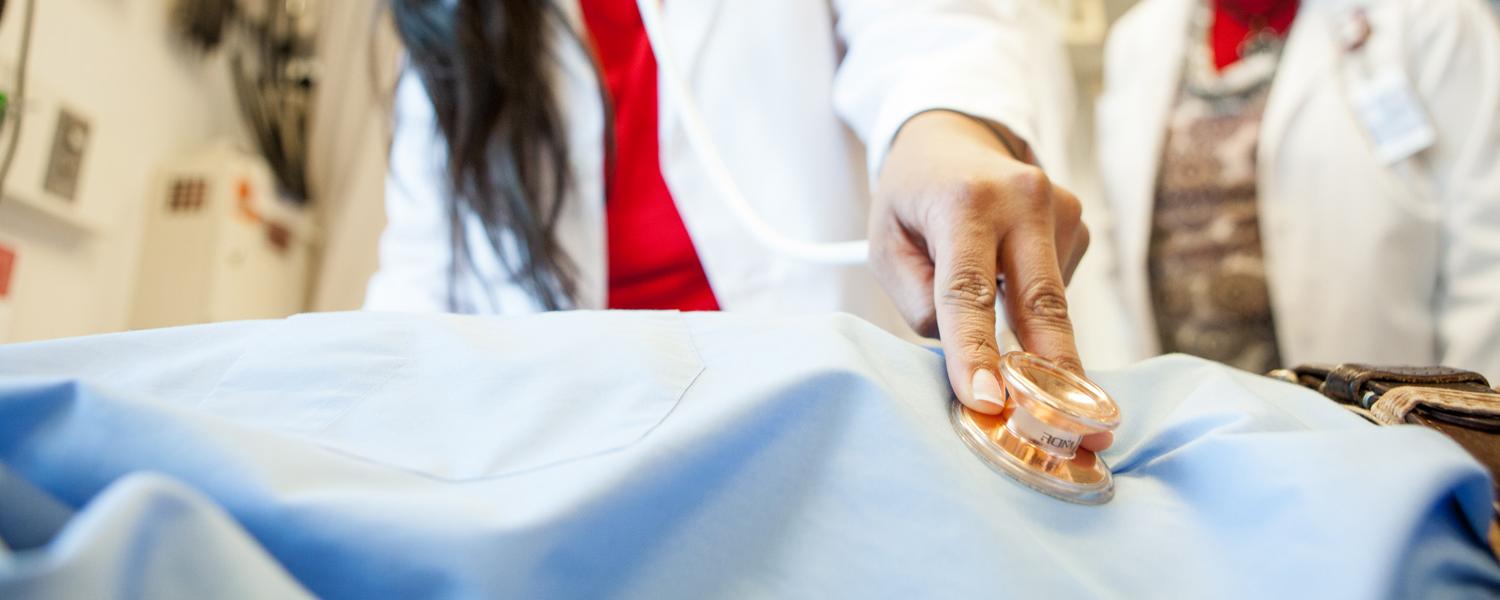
(658, 455)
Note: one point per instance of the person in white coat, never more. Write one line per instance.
(535, 167)
(1315, 186)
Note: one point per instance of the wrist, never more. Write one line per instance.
(952, 124)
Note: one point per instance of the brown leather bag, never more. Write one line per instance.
(1460, 404)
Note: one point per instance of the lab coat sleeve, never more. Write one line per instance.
(415, 248)
(904, 57)
(1457, 70)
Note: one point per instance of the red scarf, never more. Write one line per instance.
(1238, 20)
(652, 261)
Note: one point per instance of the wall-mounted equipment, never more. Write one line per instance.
(272, 48)
(44, 144)
(65, 162)
(49, 170)
(220, 244)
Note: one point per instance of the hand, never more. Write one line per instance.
(954, 210)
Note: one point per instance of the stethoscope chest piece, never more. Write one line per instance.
(1035, 440)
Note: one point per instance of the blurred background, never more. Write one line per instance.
(190, 161)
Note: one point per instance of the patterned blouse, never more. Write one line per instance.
(1207, 276)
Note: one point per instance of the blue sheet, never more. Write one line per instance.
(657, 455)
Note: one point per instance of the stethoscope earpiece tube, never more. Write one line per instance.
(830, 253)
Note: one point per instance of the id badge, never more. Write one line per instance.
(1392, 113)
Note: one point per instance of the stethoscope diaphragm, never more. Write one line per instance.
(1035, 439)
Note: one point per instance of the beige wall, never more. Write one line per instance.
(148, 101)
(113, 61)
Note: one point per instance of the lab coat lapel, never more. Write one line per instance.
(720, 241)
(581, 227)
(688, 23)
(1140, 126)
(1309, 58)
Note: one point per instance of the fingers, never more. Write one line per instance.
(1036, 303)
(952, 210)
(1080, 247)
(964, 303)
(1067, 213)
(1040, 309)
(1068, 230)
(903, 268)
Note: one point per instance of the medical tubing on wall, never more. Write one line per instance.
(18, 99)
(831, 253)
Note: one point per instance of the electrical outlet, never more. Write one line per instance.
(69, 141)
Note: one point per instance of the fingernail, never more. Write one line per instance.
(986, 391)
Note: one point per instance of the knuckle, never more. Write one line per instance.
(976, 195)
(1045, 305)
(980, 195)
(1068, 208)
(1029, 182)
(970, 287)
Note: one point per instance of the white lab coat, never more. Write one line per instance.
(803, 99)
(1365, 261)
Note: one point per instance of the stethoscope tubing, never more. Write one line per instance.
(717, 171)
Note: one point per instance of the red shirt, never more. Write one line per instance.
(1235, 21)
(652, 262)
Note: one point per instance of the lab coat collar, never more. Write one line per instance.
(688, 25)
(1140, 113)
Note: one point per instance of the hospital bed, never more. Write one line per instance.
(660, 455)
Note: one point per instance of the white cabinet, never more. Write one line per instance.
(220, 244)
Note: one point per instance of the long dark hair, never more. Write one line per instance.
(485, 64)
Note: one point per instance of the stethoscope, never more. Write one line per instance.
(1048, 410)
